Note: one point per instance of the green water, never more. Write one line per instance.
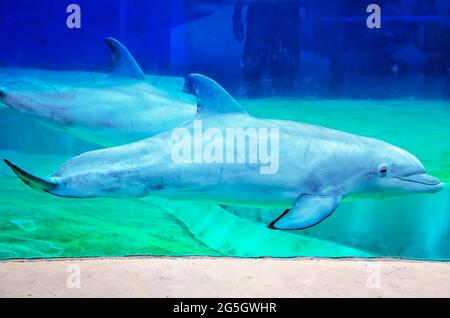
(34, 224)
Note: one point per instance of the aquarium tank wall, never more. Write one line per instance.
(379, 69)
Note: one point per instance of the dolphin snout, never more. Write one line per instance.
(2, 93)
(24, 95)
(422, 178)
(6, 89)
(5, 95)
(430, 183)
(26, 85)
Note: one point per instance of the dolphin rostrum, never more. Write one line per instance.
(317, 167)
(117, 108)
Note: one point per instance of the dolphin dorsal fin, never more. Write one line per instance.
(211, 97)
(122, 62)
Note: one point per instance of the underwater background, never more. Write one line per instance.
(328, 68)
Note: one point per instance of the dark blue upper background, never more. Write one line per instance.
(34, 33)
(338, 56)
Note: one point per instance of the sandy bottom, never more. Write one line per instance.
(223, 277)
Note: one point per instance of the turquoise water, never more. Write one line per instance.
(34, 225)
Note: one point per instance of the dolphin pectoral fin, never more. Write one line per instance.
(30, 180)
(123, 63)
(308, 210)
(211, 97)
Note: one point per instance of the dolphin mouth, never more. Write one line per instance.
(422, 178)
(433, 184)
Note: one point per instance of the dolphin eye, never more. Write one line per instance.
(382, 170)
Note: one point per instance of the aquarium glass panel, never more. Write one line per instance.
(80, 76)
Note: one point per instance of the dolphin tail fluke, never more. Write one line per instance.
(30, 180)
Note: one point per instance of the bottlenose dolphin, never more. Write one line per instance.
(115, 109)
(318, 167)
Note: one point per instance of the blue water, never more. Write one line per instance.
(391, 83)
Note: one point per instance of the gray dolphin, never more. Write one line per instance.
(114, 109)
(318, 167)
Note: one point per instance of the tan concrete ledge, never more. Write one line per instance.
(223, 277)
